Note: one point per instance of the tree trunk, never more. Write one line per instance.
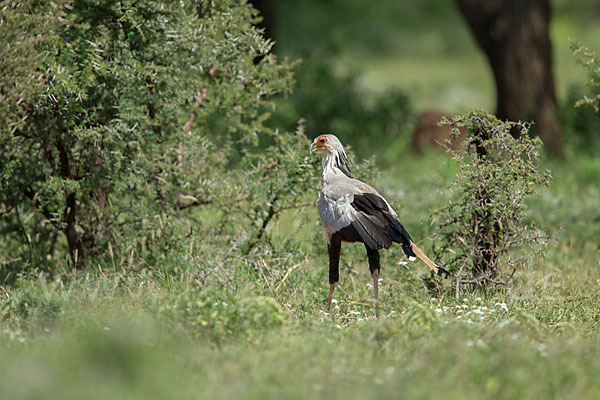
(514, 36)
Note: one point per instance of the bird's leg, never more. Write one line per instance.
(375, 275)
(331, 289)
(333, 247)
(373, 256)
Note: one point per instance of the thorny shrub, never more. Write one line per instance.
(120, 120)
(590, 62)
(485, 221)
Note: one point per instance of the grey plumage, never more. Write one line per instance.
(339, 205)
(353, 211)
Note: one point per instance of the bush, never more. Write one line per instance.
(581, 124)
(216, 318)
(581, 121)
(590, 62)
(486, 217)
(121, 118)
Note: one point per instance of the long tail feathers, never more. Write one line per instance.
(436, 268)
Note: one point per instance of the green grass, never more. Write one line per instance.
(205, 326)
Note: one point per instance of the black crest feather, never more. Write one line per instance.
(341, 162)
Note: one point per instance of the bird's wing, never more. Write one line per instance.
(372, 222)
(352, 204)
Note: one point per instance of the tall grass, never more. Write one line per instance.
(201, 327)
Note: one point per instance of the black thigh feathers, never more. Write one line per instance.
(376, 226)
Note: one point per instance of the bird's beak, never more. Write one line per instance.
(315, 147)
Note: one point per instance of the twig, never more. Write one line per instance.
(249, 262)
(288, 272)
(457, 294)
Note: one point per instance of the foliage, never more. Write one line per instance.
(582, 121)
(148, 319)
(137, 112)
(282, 177)
(204, 317)
(486, 217)
(331, 102)
(357, 27)
(590, 62)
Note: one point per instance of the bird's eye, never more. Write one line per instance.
(323, 139)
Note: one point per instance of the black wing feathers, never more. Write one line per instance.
(371, 223)
(401, 236)
(379, 225)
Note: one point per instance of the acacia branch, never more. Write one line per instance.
(190, 121)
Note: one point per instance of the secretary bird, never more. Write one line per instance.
(353, 212)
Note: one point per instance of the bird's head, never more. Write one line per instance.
(333, 154)
(326, 144)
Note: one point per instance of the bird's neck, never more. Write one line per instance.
(336, 164)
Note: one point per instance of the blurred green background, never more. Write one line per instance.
(369, 69)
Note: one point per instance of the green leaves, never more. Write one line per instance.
(590, 62)
(117, 111)
(486, 219)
